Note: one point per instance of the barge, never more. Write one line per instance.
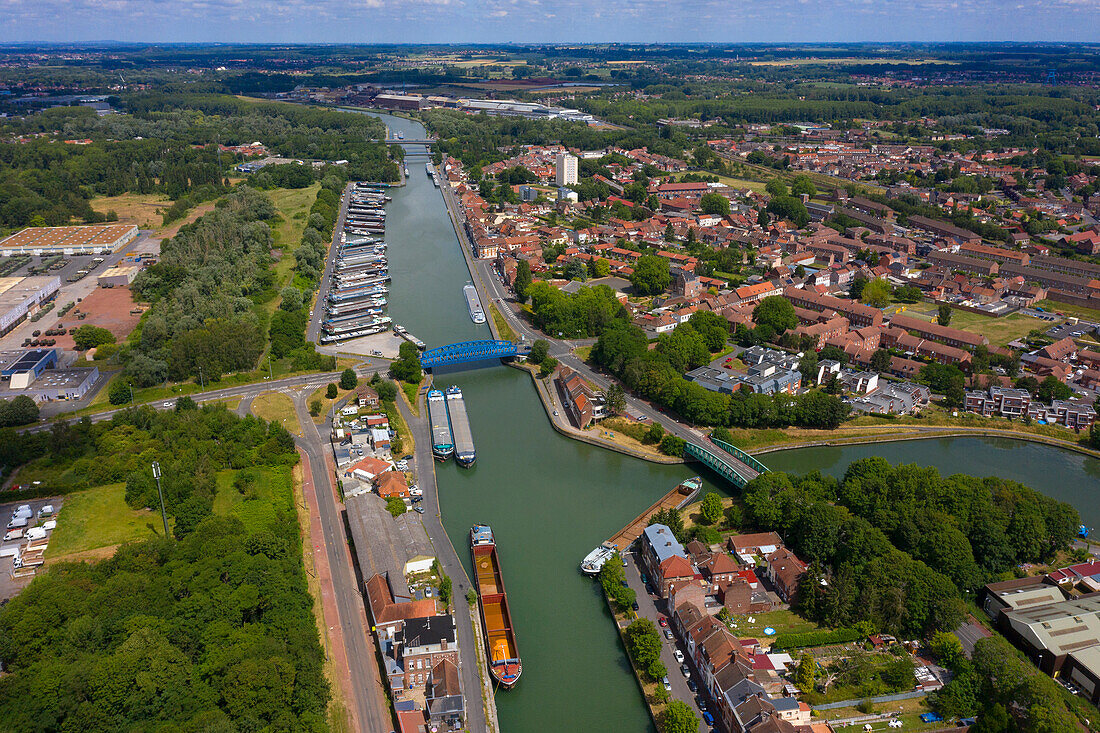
(442, 443)
(465, 455)
(496, 620)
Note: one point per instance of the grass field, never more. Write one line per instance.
(1088, 314)
(292, 205)
(99, 517)
(277, 407)
(270, 491)
(144, 210)
(784, 622)
(505, 331)
(999, 331)
(326, 403)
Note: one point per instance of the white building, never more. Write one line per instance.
(565, 170)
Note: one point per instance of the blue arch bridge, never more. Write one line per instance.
(467, 352)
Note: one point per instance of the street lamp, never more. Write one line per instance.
(163, 514)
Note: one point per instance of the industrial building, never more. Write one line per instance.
(72, 240)
(35, 373)
(21, 296)
(118, 276)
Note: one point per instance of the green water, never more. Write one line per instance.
(550, 500)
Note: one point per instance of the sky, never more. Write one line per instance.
(539, 21)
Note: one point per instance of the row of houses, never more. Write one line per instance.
(1018, 404)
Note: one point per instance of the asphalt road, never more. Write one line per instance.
(653, 608)
(452, 566)
(313, 328)
(374, 713)
(244, 391)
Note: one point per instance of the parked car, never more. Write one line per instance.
(634, 605)
(708, 718)
(662, 621)
(667, 684)
(418, 509)
(414, 491)
(668, 633)
(691, 684)
(679, 656)
(685, 671)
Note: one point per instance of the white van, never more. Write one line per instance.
(17, 523)
(49, 525)
(46, 511)
(25, 513)
(13, 534)
(36, 533)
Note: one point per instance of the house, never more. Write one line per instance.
(367, 469)
(785, 572)
(391, 484)
(367, 396)
(745, 546)
(659, 547)
(423, 643)
(446, 705)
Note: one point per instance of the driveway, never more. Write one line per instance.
(653, 608)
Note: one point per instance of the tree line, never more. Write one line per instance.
(897, 545)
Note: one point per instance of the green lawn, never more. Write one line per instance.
(259, 505)
(999, 331)
(1089, 314)
(99, 517)
(277, 407)
(505, 330)
(784, 622)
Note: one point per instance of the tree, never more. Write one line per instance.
(119, 393)
(672, 445)
(446, 590)
(791, 209)
(387, 390)
(943, 314)
(615, 398)
(654, 434)
(714, 203)
(1051, 389)
(803, 185)
(876, 293)
(407, 367)
(807, 366)
(776, 312)
(395, 505)
(762, 220)
(775, 188)
(523, 280)
(330, 391)
(711, 508)
(88, 337)
(678, 717)
(947, 649)
(880, 360)
(539, 351)
(21, 410)
(547, 367)
(807, 671)
(712, 327)
(348, 379)
(855, 289)
(576, 270)
(292, 299)
(651, 275)
(315, 407)
(670, 233)
(1094, 435)
(599, 267)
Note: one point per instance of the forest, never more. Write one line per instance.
(166, 144)
(899, 545)
(211, 629)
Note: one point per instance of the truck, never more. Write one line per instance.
(13, 534)
(17, 523)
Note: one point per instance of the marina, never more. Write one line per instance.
(356, 301)
(465, 455)
(442, 441)
(496, 619)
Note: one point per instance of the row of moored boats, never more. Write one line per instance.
(356, 302)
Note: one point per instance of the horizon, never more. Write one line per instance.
(456, 22)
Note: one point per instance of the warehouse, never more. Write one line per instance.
(21, 296)
(74, 240)
(119, 276)
(20, 368)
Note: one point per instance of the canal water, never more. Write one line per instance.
(550, 499)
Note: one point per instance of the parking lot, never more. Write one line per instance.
(10, 587)
(1072, 330)
(654, 608)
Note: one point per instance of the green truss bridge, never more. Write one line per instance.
(728, 461)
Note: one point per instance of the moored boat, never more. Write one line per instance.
(594, 561)
(496, 620)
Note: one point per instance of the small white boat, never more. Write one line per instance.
(595, 560)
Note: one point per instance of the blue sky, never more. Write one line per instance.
(466, 21)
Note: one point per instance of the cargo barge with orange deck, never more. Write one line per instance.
(496, 620)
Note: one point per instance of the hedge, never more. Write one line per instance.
(816, 638)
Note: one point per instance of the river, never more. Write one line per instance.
(550, 499)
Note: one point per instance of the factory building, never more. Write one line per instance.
(21, 296)
(73, 240)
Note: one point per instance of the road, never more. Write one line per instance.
(245, 391)
(492, 290)
(653, 608)
(452, 566)
(313, 328)
(370, 701)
